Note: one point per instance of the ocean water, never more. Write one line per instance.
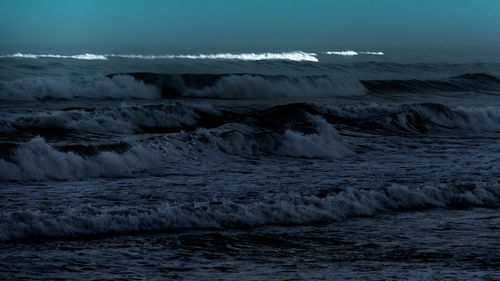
(318, 165)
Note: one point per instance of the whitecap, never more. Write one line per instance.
(354, 53)
(290, 56)
(54, 56)
(343, 53)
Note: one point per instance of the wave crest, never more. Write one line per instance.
(253, 86)
(36, 160)
(289, 56)
(53, 56)
(89, 87)
(288, 209)
(354, 53)
(309, 137)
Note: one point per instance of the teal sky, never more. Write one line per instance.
(198, 24)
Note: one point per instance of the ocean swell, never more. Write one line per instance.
(124, 119)
(415, 118)
(251, 86)
(87, 87)
(144, 85)
(461, 83)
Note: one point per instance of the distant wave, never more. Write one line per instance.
(156, 86)
(419, 118)
(250, 86)
(464, 82)
(290, 56)
(372, 53)
(38, 56)
(353, 53)
(342, 53)
(145, 85)
(88, 87)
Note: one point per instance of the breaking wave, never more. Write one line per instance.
(303, 136)
(287, 209)
(37, 160)
(353, 53)
(415, 118)
(290, 120)
(155, 86)
(251, 86)
(124, 119)
(291, 130)
(289, 56)
(308, 137)
(88, 87)
(144, 85)
(52, 56)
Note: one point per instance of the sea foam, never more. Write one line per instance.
(289, 56)
(55, 56)
(37, 160)
(353, 53)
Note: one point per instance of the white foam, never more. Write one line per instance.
(241, 139)
(37, 160)
(482, 118)
(290, 56)
(122, 120)
(353, 53)
(326, 143)
(372, 53)
(37, 56)
(89, 57)
(343, 53)
(287, 209)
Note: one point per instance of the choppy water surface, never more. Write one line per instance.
(282, 166)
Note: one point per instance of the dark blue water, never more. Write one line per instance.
(298, 165)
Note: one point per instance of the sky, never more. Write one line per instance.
(198, 24)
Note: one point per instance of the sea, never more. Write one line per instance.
(321, 164)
